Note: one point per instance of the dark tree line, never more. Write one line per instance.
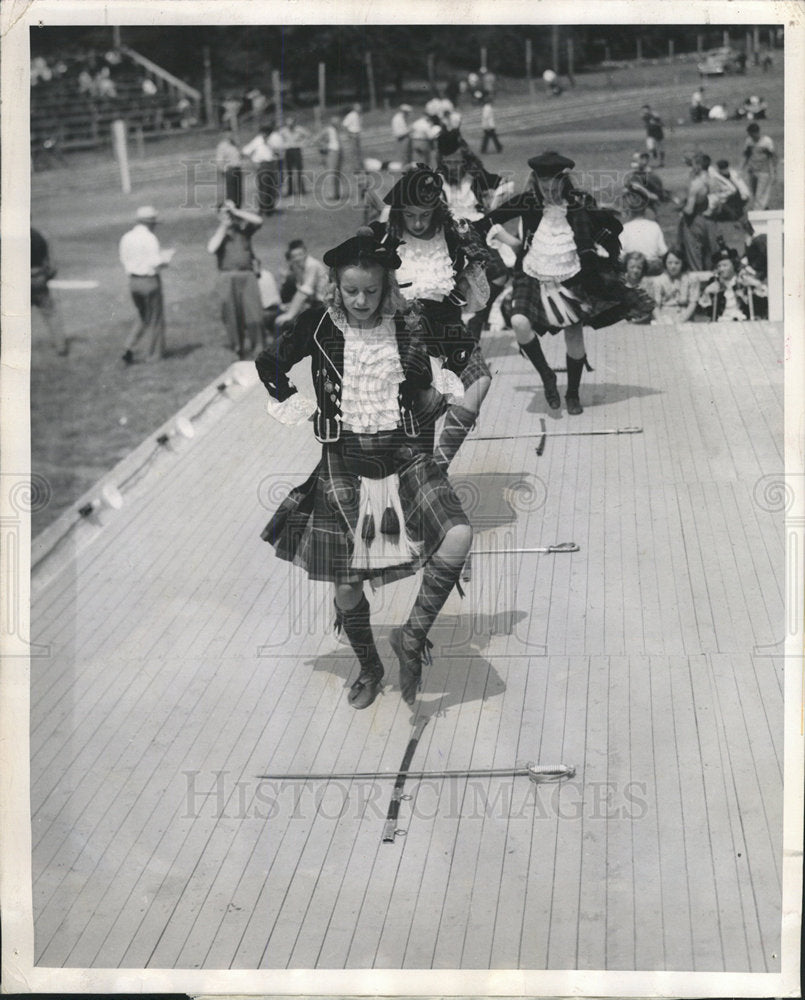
(246, 56)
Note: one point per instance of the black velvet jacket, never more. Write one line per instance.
(315, 335)
(589, 223)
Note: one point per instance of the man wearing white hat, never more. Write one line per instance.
(401, 130)
(142, 260)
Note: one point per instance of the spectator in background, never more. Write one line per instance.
(230, 109)
(143, 260)
(655, 134)
(228, 162)
(401, 130)
(258, 101)
(270, 301)
(293, 136)
(698, 110)
(676, 292)
(695, 229)
(730, 295)
(277, 144)
(635, 277)
(729, 196)
(86, 83)
(331, 149)
(551, 81)
(42, 271)
(238, 290)
(760, 164)
(304, 286)
(488, 82)
(488, 125)
(105, 85)
(642, 178)
(423, 137)
(267, 175)
(353, 126)
(752, 108)
(642, 235)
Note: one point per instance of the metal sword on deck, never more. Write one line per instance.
(390, 826)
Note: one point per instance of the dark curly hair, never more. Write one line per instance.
(441, 217)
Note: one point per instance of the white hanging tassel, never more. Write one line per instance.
(381, 550)
(559, 302)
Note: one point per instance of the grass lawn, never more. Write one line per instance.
(89, 410)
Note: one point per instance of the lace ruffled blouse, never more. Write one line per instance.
(371, 378)
(552, 255)
(426, 264)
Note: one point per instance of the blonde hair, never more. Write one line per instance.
(392, 302)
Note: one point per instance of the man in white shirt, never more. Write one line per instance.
(308, 277)
(230, 172)
(142, 260)
(401, 130)
(261, 151)
(352, 126)
(423, 136)
(642, 235)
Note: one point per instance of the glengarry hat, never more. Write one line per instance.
(725, 253)
(448, 141)
(363, 247)
(419, 187)
(550, 164)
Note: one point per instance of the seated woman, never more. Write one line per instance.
(377, 507)
(635, 268)
(730, 296)
(676, 291)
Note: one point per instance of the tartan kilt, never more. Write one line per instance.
(475, 368)
(458, 344)
(604, 299)
(314, 525)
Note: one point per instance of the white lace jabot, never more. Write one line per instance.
(427, 266)
(372, 375)
(552, 255)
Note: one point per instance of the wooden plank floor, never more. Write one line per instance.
(186, 661)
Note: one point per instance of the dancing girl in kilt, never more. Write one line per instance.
(442, 273)
(377, 507)
(566, 273)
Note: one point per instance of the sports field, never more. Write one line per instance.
(89, 410)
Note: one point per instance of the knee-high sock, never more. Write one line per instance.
(575, 367)
(533, 351)
(358, 629)
(438, 580)
(458, 422)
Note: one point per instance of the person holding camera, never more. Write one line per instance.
(238, 290)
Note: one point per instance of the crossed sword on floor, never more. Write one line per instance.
(536, 773)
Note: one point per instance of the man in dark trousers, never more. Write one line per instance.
(42, 270)
(143, 260)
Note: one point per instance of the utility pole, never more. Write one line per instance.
(370, 79)
(209, 110)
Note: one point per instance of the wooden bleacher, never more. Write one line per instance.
(63, 119)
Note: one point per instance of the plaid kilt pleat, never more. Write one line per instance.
(313, 527)
(604, 300)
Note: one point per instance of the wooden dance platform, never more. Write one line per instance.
(179, 661)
